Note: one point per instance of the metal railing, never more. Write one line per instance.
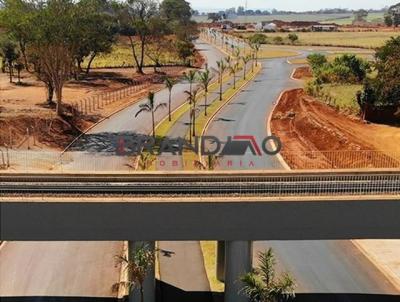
(232, 184)
(32, 161)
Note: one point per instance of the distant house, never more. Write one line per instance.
(324, 27)
(265, 26)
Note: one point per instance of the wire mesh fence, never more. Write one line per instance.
(98, 101)
(31, 161)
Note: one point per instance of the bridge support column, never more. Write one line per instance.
(238, 260)
(220, 265)
(149, 285)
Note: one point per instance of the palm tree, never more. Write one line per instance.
(169, 83)
(245, 59)
(236, 52)
(205, 80)
(138, 263)
(191, 77)
(192, 98)
(233, 70)
(256, 48)
(261, 285)
(221, 69)
(228, 60)
(145, 160)
(150, 107)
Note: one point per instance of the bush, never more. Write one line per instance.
(293, 37)
(278, 40)
(258, 39)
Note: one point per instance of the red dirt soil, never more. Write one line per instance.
(302, 72)
(313, 133)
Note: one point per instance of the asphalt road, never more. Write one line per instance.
(87, 268)
(96, 150)
(57, 269)
(319, 266)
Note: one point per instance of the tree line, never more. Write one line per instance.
(52, 39)
(380, 79)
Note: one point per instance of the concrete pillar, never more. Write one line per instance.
(238, 261)
(149, 285)
(220, 263)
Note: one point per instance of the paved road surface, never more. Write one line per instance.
(87, 268)
(319, 266)
(97, 149)
(183, 274)
(82, 269)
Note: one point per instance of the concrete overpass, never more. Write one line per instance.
(236, 220)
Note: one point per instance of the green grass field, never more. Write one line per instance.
(345, 39)
(121, 56)
(340, 19)
(344, 96)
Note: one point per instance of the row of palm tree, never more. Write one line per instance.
(193, 76)
(204, 79)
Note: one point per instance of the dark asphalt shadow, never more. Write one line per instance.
(107, 143)
(170, 293)
(221, 119)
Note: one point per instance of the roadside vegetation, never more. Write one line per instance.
(350, 82)
(356, 39)
(57, 55)
(263, 284)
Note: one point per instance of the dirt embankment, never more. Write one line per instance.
(302, 73)
(314, 135)
(27, 122)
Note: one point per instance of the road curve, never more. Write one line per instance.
(319, 266)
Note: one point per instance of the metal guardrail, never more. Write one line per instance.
(236, 184)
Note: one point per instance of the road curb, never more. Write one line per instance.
(388, 274)
(269, 130)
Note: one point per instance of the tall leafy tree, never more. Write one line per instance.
(136, 18)
(8, 51)
(95, 31)
(53, 45)
(16, 18)
(262, 285)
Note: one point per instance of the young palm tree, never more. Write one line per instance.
(245, 59)
(228, 60)
(261, 285)
(150, 107)
(191, 77)
(233, 70)
(222, 67)
(205, 80)
(138, 263)
(256, 48)
(212, 163)
(169, 83)
(192, 99)
(236, 53)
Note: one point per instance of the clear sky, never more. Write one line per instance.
(293, 5)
